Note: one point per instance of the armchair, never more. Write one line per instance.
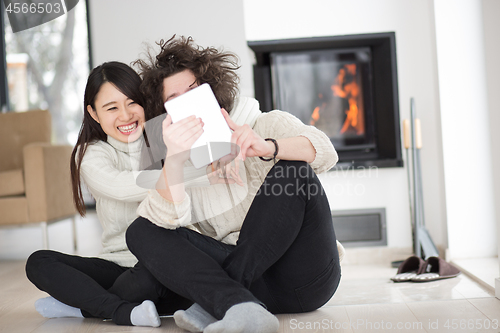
(35, 183)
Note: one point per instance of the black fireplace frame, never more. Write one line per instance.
(385, 89)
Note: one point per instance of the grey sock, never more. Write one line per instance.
(246, 317)
(194, 319)
(145, 314)
(49, 307)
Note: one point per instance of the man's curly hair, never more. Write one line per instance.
(208, 65)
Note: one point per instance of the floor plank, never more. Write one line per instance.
(449, 316)
(383, 318)
(326, 319)
(21, 316)
(490, 307)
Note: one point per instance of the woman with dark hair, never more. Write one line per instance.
(260, 240)
(107, 152)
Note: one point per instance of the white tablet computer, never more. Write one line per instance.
(215, 142)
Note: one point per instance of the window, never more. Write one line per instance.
(47, 67)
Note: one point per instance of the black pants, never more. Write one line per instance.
(286, 256)
(100, 288)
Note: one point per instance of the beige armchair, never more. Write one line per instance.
(35, 183)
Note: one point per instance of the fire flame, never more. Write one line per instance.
(350, 90)
(315, 115)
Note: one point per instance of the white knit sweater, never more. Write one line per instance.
(210, 209)
(107, 171)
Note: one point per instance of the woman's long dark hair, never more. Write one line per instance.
(124, 79)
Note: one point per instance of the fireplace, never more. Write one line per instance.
(344, 85)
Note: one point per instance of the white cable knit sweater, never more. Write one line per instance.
(107, 171)
(210, 210)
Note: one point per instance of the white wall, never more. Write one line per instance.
(121, 29)
(465, 129)
(413, 23)
(491, 11)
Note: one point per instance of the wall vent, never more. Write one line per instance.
(360, 227)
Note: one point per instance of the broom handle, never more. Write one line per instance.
(406, 133)
(418, 134)
(407, 145)
(418, 138)
(416, 206)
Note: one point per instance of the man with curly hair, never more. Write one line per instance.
(260, 246)
(208, 65)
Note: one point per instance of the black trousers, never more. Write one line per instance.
(286, 256)
(100, 288)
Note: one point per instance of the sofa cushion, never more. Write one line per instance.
(11, 183)
(17, 129)
(14, 210)
(48, 181)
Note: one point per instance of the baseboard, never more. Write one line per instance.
(377, 255)
(482, 270)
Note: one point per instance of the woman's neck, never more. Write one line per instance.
(127, 147)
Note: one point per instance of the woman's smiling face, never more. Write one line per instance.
(120, 117)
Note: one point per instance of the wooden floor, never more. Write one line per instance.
(366, 301)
